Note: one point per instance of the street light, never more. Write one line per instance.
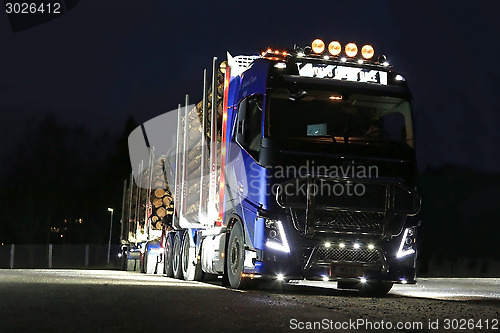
(110, 228)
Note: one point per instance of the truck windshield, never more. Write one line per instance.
(348, 118)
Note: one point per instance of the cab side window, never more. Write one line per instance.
(249, 124)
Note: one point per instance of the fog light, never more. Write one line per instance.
(280, 277)
(367, 51)
(351, 50)
(403, 281)
(356, 246)
(334, 48)
(318, 46)
(362, 280)
(342, 245)
(371, 246)
(325, 278)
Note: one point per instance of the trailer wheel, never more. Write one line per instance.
(375, 289)
(177, 258)
(168, 265)
(188, 258)
(236, 257)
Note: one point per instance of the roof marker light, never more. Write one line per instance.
(367, 51)
(325, 278)
(334, 48)
(336, 97)
(351, 50)
(280, 65)
(326, 57)
(343, 59)
(318, 46)
(385, 64)
(360, 61)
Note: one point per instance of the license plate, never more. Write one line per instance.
(346, 270)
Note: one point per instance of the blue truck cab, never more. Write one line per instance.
(320, 171)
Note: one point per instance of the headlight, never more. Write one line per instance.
(275, 236)
(406, 247)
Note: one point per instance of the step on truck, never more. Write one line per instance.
(297, 164)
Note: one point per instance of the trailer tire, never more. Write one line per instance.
(188, 261)
(149, 262)
(168, 257)
(235, 257)
(177, 256)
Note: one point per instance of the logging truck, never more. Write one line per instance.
(297, 164)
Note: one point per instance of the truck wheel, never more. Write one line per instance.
(236, 257)
(177, 258)
(347, 285)
(375, 289)
(168, 269)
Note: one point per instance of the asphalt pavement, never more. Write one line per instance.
(115, 301)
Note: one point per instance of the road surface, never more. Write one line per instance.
(115, 301)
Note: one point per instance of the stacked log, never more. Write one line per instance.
(161, 197)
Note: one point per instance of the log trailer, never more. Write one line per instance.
(298, 164)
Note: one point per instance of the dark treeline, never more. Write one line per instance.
(60, 182)
(461, 210)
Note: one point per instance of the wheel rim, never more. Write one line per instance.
(235, 256)
(175, 259)
(185, 255)
(168, 256)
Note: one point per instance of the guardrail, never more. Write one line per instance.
(59, 256)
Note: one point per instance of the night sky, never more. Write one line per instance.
(105, 60)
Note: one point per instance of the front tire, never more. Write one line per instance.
(375, 289)
(235, 257)
(177, 257)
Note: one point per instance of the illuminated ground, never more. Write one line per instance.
(114, 301)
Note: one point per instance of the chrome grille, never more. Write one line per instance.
(350, 221)
(364, 256)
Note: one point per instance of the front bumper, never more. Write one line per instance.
(314, 261)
